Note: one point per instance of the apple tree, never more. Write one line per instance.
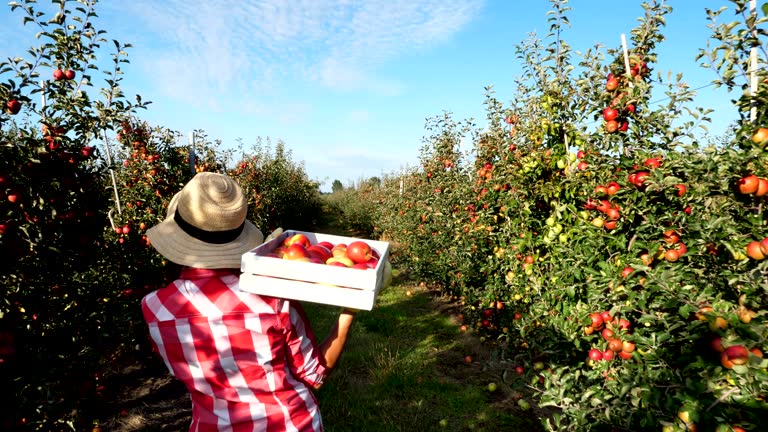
(53, 209)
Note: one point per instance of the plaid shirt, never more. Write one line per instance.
(248, 360)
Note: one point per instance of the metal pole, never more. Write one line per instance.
(626, 59)
(42, 95)
(192, 152)
(753, 67)
(112, 172)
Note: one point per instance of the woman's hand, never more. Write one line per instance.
(274, 234)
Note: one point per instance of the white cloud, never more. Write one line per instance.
(245, 46)
(350, 164)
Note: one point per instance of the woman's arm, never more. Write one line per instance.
(308, 361)
(333, 345)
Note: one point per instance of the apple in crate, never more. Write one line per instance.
(340, 260)
(326, 244)
(297, 238)
(339, 250)
(296, 252)
(359, 252)
(320, 252)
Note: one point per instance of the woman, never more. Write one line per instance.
(248, 361)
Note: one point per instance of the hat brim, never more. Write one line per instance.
(181, 248)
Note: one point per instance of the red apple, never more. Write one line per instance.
(607, 334)
(671, 237)
(681, 189)
(58, 75)
(297, 239)
(326, 244)
(361, 266)
(762, 187)
(336, 263)
(626, 272)
(615, 344)
(604, 206)
(13, 106)
(624, 324)
(734, 355)
(624, 126)
(610, 114)
(613, 188)
(749, 184)
(672, 255)
(608, 355)
(652, 163)
(322, 252)
(627, 346)
(607, 318)
(12, 196)
(372, 263)
(625, 355)
(296, 252)
(87, 151)
(597, 320)
(754, 251)
(611, 126)
(764, 246)
(611, 84)
(69, 74)
(359, 252)
(717, 344)
(640, 178)
(595, 354)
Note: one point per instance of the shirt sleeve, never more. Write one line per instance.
(303, 354)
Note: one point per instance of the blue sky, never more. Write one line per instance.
(348, 84)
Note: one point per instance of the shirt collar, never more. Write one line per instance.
(198, 273)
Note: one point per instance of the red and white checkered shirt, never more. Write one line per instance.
(247, 360)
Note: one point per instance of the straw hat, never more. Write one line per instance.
(205, 226)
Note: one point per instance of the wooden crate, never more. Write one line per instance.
(317, 283)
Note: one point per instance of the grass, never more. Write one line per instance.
(404, 369)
